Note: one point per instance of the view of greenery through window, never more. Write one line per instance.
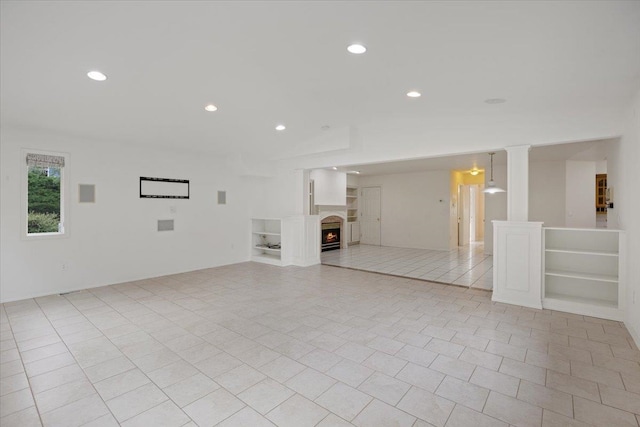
(44, 200)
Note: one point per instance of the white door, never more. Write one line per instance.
(370, 216)
(463, 215)
(473, 197)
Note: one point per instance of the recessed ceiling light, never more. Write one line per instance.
(414, 94)
(356, 172)
(211, 107)
(97, 76)
(334, 168)
(356, 49)
(281, 127)
(495, 101)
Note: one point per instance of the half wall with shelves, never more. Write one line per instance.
(293, 240)
(266, 240)
(352, 225)
(582, 271)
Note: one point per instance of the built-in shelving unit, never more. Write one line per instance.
(353, 225)
(266, 240)
(582, 271)
(352, 204)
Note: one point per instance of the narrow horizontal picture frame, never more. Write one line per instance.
(163, 188)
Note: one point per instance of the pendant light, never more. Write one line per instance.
(491, 186)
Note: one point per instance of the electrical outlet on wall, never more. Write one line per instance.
(173, 209)
(64, 266)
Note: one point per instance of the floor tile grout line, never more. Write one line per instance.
(518, 319)
(122, 355)
(76, 361)
(33, 397)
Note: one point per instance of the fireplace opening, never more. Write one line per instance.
(330, 236)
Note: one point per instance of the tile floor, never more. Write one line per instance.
(257, 345)
(464, 266)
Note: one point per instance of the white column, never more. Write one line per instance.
(302, 191)
(518, 182)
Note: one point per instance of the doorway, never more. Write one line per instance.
(370, 216)
(470, 214)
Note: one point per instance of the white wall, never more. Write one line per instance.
(547, 191)
(115, 239)
(277, 196)
(415, 209)
(580, 194)
(622, 163)
(330, 187)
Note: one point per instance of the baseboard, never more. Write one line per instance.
(634, 334)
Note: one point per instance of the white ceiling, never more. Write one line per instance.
(585, 151)
(269, 62)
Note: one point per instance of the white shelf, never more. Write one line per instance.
(266, 233)
(581, 300)
(264, 248)
(351, 197)
(582, 252)
(267, 259)
(581, 275)
(586, 306)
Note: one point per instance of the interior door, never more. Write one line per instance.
(370, 216)
(464, 202)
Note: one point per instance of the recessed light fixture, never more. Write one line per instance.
(281, 127)
(414, 94)
(356, 49)
(334, 168)
(355, 172)
(97, 76)
(495, 101)
(211, 107)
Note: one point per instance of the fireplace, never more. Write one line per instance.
(330, 236)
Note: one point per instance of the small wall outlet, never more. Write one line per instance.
(173, 209)
(64, 266)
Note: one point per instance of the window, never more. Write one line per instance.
(45, 184)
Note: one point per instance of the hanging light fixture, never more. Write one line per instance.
(491, 186)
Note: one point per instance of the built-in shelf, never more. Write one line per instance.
(579, 275)
(267, 249)
(266, 232)
(582, 271)
(581, 300)
(583, 252)
(260, 233)
(267, 259)
(352, 226)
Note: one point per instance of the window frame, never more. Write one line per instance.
(24, 195)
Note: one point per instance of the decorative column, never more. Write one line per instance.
(517, 243)
(518, 182)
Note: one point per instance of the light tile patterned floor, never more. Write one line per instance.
(257, 345)
(464, 266)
